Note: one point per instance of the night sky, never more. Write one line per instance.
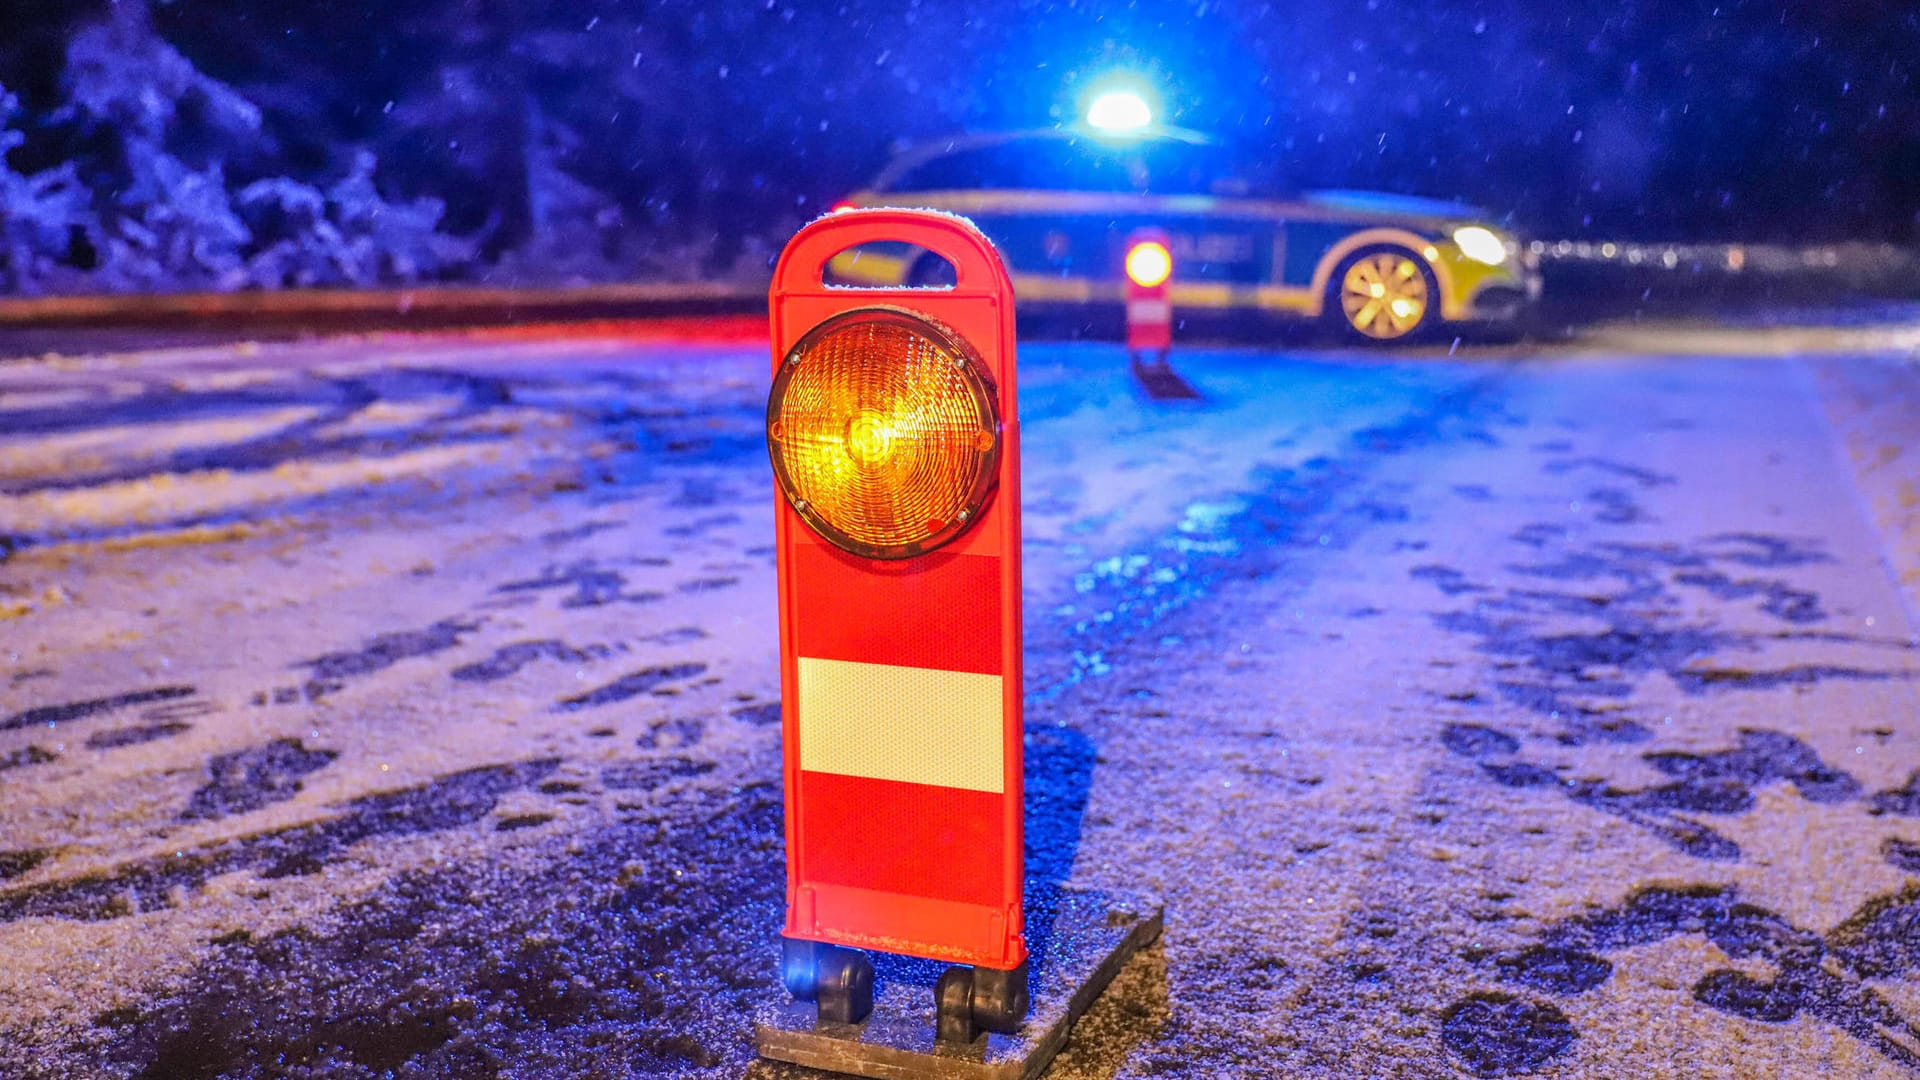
(583, 139)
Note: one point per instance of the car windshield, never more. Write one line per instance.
(1155, 166)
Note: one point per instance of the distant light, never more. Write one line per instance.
(1481, 245)
(1118, 111)
(1149, 264)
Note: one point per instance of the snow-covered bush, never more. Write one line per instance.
(144, 200)
(38, 214)
(171, 228)
(124, 78)
(347, 236)
(164, 222)
(388, 242)
(293, 242)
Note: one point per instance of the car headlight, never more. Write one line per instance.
(1481, 245)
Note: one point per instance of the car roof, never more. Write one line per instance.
(916, 156)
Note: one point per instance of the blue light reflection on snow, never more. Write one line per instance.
(1282, 514)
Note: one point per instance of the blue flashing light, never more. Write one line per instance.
(1119, 111)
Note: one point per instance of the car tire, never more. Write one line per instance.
(930, 271)
(1380, 319)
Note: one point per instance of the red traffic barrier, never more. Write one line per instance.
(1149, 267)
(893, 434)
(1149, 270)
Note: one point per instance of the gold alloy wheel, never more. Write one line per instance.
(1384, 295)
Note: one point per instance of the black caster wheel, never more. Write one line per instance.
(1000, 998)
(971, 1000)
(845, 985)
(953, 1006)
(799, 960)
(839, 981)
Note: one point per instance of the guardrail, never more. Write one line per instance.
(1848, 260)
(420, 306)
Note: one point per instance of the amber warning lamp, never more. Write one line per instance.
(885, 433)
(892, 432)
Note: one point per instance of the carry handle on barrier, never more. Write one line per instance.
(802, 267)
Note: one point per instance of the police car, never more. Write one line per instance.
(1061, 203)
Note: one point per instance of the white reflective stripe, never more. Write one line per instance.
(914, 725)
(1149, 311)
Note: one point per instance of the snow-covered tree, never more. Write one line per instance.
(146, 199)
(39, 215)
(390, 242)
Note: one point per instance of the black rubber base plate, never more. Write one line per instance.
(1162, 383)
(1078, 942)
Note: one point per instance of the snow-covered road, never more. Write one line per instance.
(408, 707)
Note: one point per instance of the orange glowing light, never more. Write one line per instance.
(883, 433)
(1149, 263)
